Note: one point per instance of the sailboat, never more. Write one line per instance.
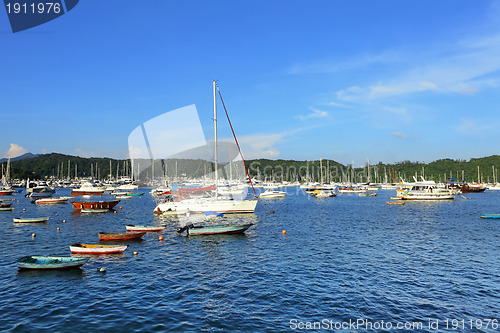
(214, 203)
(5, 188)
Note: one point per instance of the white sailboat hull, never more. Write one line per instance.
(199, 206)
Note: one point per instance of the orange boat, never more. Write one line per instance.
(89, 205)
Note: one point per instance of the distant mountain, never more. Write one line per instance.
(20, 157)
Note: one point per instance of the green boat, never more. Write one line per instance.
(134, 194)
(219, 229)
(51, 263)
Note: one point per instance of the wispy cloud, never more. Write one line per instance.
(472, 127)
(315, 113)
(14, 151)
(399, 135)
(84, 153)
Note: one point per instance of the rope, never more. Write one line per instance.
(239, 149)
(236, 140)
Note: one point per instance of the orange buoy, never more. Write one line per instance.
(114, 212)
(64, 221)
(58, 228)
(120, 207)
(160, 238)
(57, 214)
(135, 253)
(33, 235)
(283, 232)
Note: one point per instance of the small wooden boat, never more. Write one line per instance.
(51, 201)
(50, 263)
(143, 228)
(490, 216)
(31, 219)
(94, 211)
(94, 204)
(6, 209)
(5, 204)
(395, 202)
(220, 229)
(396, 198)
(120, 235)
(97, 249)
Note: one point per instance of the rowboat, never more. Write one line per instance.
(395, 202)
(6, 209)
(31, 219)
(120, 235)
(490, 216)
(94, 210)
(143, 228)
(97, 249)
(49, 263)
(220, 229)
(368, 194)
(123, 197)
(94, 204)
(5, 204)
(51, 201)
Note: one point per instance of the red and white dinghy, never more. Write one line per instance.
(97, 249)
(146, 228)
(79, 205)
(51, 201)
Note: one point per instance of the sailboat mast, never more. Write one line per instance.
(215, 140)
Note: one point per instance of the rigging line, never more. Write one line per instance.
(236, 140)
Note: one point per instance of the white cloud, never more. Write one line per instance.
(14, 151)
(399, 135)
(314, 114)
(260, 145)
(84, 153)
(471, 127)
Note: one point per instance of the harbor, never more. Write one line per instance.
(341, 258)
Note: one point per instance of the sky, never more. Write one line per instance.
(390, 80)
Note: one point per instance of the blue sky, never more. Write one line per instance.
(344, 80)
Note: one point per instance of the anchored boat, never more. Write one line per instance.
(106, 236)
(31, 219)
(97, 249)
(50, 263)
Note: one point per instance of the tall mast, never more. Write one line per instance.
(215, 140)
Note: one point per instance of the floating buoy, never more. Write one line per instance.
(114, 212)
(102, 270)
(120, 207)
(33, 235)
(135, 253)
(58, 228)
(64, 221)
(160, 238)
(24, 209)
(57, 214)
(284, 232)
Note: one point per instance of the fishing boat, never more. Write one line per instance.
(490, 216)
(31, 219)
(6, 209)
(120, 235)
(147, 228)
(219, 229)
(97, 249)
(272, 194)
(323, 194)
(39, 190)
(51, 201)
(50, 263)
(472, 188)
(88, 205)
(395, 202)
(213, 203)
(426, 190)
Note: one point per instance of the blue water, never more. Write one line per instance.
(341, 259)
